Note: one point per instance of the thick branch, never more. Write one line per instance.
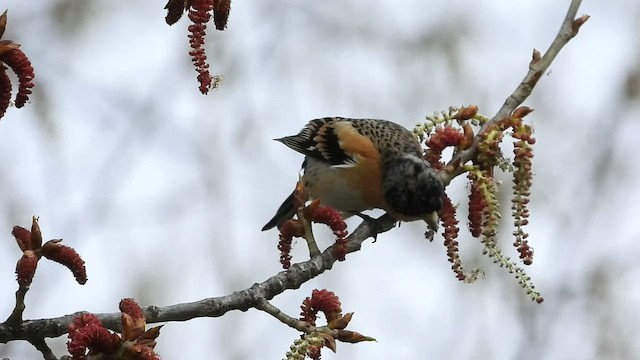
(241, 300)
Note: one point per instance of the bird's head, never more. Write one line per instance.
(412, 188)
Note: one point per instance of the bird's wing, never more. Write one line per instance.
(388, 137)
(332, 140)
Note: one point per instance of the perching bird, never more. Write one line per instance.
(354, 165)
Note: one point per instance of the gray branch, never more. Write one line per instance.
(243, 300)
(537, 68)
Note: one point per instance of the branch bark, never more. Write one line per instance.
(242, 300)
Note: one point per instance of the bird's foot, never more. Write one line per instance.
(374, 223)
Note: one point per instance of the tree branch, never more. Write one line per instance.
(537, 67)
(42, 346)
(16, 315)
(266, 306)
(242, 300)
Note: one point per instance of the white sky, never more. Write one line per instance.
(163, 191)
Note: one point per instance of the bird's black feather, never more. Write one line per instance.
(318, 140)
(284, 213)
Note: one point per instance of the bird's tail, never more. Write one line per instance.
(284, 213)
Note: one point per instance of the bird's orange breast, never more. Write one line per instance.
(350, 187)
(366, 175)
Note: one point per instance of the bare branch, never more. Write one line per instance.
(537, 67)
(308, 235)
(292, 322)
(16, 315)
(42, 346)
(241, 300)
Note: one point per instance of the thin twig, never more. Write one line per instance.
(266, 306)
(42, 346)
(16, 315)
(308, 234)
(537, 67)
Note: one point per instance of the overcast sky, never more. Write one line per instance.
(163, 191)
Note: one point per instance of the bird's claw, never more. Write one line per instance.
(373, 223)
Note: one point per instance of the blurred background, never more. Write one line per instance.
(163, 191)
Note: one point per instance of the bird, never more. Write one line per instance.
(353, 165)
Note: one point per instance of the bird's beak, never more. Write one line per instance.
(432, 220)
